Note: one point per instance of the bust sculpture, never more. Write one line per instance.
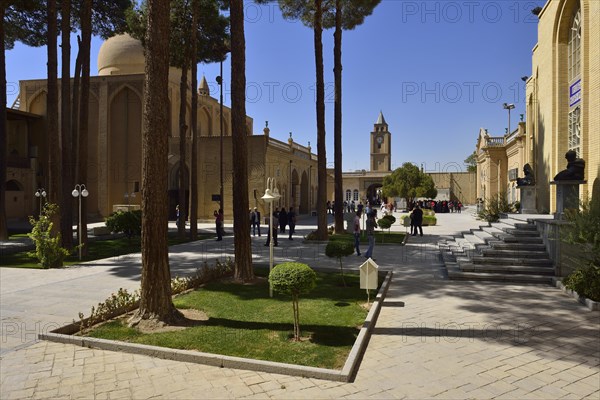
(575, 168)
(528, 179)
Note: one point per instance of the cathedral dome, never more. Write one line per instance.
(121, 55)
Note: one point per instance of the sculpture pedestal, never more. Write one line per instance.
(567, 196)
(528, 197)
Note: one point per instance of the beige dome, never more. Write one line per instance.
(120, 55)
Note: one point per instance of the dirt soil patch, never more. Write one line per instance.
(192, 317)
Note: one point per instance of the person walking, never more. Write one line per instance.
(255, 220)
(357, 232)
(275, 221)
(219, 224)
(371, 224)
(417, 215)
(283, 220)
(291, 220)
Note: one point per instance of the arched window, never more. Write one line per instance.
(348, 195)
(574, 52)
(355, 197)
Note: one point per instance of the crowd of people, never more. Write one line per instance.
(442, 206)
(284, 221)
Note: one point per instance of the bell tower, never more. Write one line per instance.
(381, 145)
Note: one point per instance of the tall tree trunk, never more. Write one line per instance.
(239, 139)
(66, 204)
(82, 142)
(194, 121)
(54, 149)
(75, 122)
(3, 133)
(155, 295)
(182, 141)
(322, 158)
(337, 117)
(75, 98)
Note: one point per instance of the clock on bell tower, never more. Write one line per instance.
(381, 144)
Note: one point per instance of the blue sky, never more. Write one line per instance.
(438, 70)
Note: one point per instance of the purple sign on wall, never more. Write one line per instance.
(575, 93)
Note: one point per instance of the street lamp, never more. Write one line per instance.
(41, 194)
(508, 107)
(271, 195)
(80, 191)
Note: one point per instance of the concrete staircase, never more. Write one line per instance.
(507, 251)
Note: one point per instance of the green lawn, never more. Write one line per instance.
(97, 250)
(243, 321)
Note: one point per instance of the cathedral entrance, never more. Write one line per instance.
(374, 196)
(174, 192)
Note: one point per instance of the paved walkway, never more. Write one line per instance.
(434, 338)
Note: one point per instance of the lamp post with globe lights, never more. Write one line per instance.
(80, 191)
(41, 194)
(508, 107)
(271, 195)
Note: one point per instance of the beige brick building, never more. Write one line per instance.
(563, 108)
(114, 152)
(114, 161)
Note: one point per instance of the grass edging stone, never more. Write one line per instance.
(590, 304)
(347, 373)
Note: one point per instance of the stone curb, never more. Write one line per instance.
(590, 304)
(345, 375)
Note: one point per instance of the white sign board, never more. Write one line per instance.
(368, 275)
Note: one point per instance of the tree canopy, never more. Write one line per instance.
(409, 182)
(212, 30)
(471, 162)
(354, 11)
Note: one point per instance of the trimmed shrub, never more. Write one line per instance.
(293, 279)
(127, 222)
(429, 220)
(390, 217)
(384, 223)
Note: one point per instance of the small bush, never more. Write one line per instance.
(47, 246)
(384, 223)
(584, 230)
(311, 236)
(494, 206)
(127, 222)
(585, 281)
(429, 220)
(294, 279)
(341, 247)
(516, 206)
(390, 218)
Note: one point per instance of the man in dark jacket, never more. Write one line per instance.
(291, 220)
(255, 221)
(417, 220)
